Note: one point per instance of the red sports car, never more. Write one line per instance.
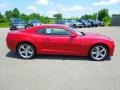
(59, 39)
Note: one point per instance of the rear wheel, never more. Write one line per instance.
(26, 51)
(98, 52)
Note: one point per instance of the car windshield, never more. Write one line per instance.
(66, 21)
(35, 21)
(78, 32)
(91, 20)
(18, 21)
(74, 21)
(84, 21)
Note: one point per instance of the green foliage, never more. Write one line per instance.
(2, 19)
(16, 13)
(24, 17)
(58, 16)
(34, 16)
(1, 16)
(5, 24)
(102, 14)
(8, 14)
(92, 16)
(107, 21)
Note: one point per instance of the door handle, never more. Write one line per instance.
(47, 39)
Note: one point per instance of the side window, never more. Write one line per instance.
(54, 31)
(41, 31)
(57, 31)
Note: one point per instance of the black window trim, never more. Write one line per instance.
(52, 35)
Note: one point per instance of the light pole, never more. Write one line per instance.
(97, 11)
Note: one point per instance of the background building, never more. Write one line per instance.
(115, 20)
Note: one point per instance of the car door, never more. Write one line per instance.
(75, 44)
(54, 40)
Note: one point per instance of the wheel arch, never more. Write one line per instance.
(27, 43)
(99, 44)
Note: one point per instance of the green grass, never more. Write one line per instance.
(4, 25)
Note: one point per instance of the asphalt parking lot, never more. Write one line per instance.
(60, 72)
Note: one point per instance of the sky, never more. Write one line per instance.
(69, 8)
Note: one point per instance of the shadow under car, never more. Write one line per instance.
(12, 54)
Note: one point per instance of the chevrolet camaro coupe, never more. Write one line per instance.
(59, 40)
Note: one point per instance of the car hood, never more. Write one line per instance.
(96, 36)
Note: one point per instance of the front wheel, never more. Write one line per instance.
(26, 51)
(74, 26)
(98, 52)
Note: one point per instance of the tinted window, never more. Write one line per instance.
(18, 20)
(56, 31)
(53, 31)
(41, 31)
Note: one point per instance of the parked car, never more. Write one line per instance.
(17, 23)
(32, 23)
(59, 40)
(85, 22)
(75, 23)
(100, 23)
(64, 22)
(93, 22)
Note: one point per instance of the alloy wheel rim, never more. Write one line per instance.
(26, 51)
(99, 52)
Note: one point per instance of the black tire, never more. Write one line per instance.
(11, 28)
(91, 57)
(33, 50)
(74, 26)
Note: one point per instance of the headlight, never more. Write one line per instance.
(78, 23)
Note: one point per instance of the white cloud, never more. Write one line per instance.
(42, 2)
(4, 4)
(73, 8)
(105, 2)
(111, 12)
(51, 12)
(32, 8)
(69, 11)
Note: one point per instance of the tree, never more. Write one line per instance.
(16, 13)
(58, 16)
(34, 16)
(107, 21)
(8, 14)
(24, 17)
(92, 16)
(1, 16)
(2, 19)
(102, 14)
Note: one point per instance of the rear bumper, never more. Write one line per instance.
(11, 44)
